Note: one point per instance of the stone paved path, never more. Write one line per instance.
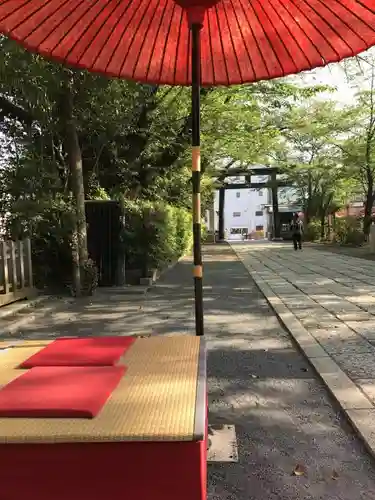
(258, 381)
(333, 298)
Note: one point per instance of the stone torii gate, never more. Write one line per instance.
(273, 183)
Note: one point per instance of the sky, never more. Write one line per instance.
(336, 76)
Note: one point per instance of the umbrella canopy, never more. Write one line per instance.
(149, 40)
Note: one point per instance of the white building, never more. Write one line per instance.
(244, 211)
(249, 211)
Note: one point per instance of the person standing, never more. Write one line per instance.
(296, 227)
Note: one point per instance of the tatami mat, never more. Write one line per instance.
(13, 356)
(7, 375)
(155, 400)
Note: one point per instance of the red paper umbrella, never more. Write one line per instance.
(217, 43)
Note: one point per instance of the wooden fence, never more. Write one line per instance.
(16, 274)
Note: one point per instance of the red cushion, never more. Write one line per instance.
(97, 351)
(70, 392)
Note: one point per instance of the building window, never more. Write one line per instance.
(238, 194)
(259, 213)
(236, 214)
(238, 230)
(260, 192)
(259, 228)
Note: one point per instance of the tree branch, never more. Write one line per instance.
(14, 111)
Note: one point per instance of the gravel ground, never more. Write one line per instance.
(258, 381)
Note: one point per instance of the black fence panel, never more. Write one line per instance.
(105, 223)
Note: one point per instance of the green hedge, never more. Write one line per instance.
(348, 231)
(312, 230)
(155, 235)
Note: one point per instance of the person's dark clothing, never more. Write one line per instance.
(297, 241)
(297, 229)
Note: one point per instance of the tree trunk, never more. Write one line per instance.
(275, 206)
(221, 213)
(309, 198)
(368, 214)
(329, 227)
(76, 266)
(369, 202)
(322, 226)
(73, 152)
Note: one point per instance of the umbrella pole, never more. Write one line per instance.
(196, 176)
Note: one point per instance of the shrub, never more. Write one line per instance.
(348, 231)
(89, 278)
(48, 223)
(184, 233)
(312, 230)
(155, 235)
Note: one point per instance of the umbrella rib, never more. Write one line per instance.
(302, 29)
(288, 30)
(166, 42)
(222, 45)
(352, 14)
(244, 41)
(269, 43)
(279, 37)
(316, 27)
(151, 17)
(42, 23)
(154, 44)
(366, 7)
(232, 41)
(330, 25)
(209, 39)
(188, 69)
(371, 11)
(15, 9)
(61, 21)
(95, 34)
(256, 43)
(110, 34)
(31, 14)
(268, 38)
(177, 46)
(121, 37)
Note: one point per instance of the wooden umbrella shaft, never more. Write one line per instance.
(196, 178)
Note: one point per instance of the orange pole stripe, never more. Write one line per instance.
(198, 271)
(196, 159)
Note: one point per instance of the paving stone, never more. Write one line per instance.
(319, 321)
(363, 422)
(368, 387)
(344, 390)
(332, 331)
(357, 366)
(305, 314)
(364, 328)
(354, 316)
(348, 346)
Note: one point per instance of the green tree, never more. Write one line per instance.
(358, 151)
(312, 160)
